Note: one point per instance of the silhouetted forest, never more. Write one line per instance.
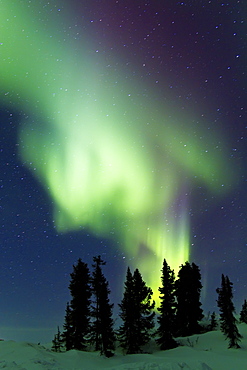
(89, 325)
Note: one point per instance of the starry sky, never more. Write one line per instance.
(123, 133)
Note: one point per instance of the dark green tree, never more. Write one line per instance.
(80, 313)
(227, 319)
(166, 320)
(57, 343)
(102, 332)
(126, 332)
(243, 313)
(188, 290)
(67, 335)
(136, 312)
(213, 322)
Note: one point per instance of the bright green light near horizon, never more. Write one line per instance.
(111, 159)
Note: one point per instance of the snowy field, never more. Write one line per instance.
(199, 352)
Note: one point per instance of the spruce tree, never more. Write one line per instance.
(188, 290)
(213, 322)
(166, 320)
(67, 335)
(136, 312)
(79, 311)
(57, 342)
(102, 333)
(243, 313)
(227, 319)
(127, 330)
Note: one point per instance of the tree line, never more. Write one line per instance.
(89, 323)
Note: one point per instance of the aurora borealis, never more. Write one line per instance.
(126, 137)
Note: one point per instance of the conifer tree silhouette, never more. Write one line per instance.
(57, 342)
(188, 290)
(77, 319)
(67, 335)
(136, 312)
(102, 333)
(166, 320)
(227, 319)
(243, 313)
(213, 322)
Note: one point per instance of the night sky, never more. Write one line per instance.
(123, 133)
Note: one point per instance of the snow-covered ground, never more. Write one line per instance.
(198, 352)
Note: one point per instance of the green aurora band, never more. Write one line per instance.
(113, 160)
